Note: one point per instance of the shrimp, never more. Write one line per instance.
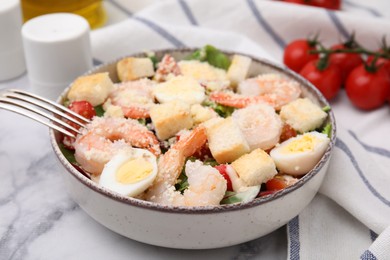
(206, 186)
(260, 125)
(105, 137)
(167, 68)
(270, 89)
(134, 97)
(170, 166)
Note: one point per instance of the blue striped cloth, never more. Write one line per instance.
(349, 218)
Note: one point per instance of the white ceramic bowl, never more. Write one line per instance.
(196, 227)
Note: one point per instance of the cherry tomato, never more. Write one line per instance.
(275, 184)
(296, 54)
(328, 80)
(68, 141)
(83, 108)
(380, 61)
(346, 61)
(222, 170)
(368, 90)
(329, 4)
(287, 133)
(301, 2)
(203, 153)
(266, 193)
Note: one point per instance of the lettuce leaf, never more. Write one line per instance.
(326, 109)
(327, 130)
(212, 55)
(99, 110)
(69, 154)
(243, 197)
(182, 182)
(223, 111)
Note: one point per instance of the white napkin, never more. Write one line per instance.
(354, 205)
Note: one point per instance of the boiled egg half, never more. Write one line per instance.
(298, 155)
(130, 172)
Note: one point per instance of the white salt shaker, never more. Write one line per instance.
(57, 50)
(11, 48)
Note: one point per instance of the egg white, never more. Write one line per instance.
(181, 88)
(299, 162)
(108, 176)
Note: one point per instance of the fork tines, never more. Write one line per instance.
(38, 108)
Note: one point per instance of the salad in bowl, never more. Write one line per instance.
(196, 131)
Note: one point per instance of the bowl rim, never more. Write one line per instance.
(201, 209)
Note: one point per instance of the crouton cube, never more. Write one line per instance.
(255, 168)
(201, 70)
(134, 68)
(202, 114)
(92, 88)
(111, 110)
(169, 118)
(226, 141)
(303, 115)
(238, 69)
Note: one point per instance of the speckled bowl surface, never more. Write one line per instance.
(196, 227)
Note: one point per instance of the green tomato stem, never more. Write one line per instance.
(358, 50)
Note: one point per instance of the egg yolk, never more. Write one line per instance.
(304, 144)
(133, 171)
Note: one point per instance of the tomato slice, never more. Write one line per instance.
(287, 133)
(275, 184)
(83, 108)
(222, 170)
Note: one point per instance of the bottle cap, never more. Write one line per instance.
(11, 48)
(57, 50)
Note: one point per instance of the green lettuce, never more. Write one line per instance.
(243, 197)
(212, 55)
(223, 111)
(69, 154)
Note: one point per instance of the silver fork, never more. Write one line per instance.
(38, 108)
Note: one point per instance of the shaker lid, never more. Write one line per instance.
(11, 50)
(57, 49)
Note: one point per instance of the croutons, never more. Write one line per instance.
(238, 69)
(181, 88)
(201, 114)
(92, 88)
(201, 71)
(226, 142)
(303, 115)
(255, 168)
(112, 110)
(169, 118)
(132, 68)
